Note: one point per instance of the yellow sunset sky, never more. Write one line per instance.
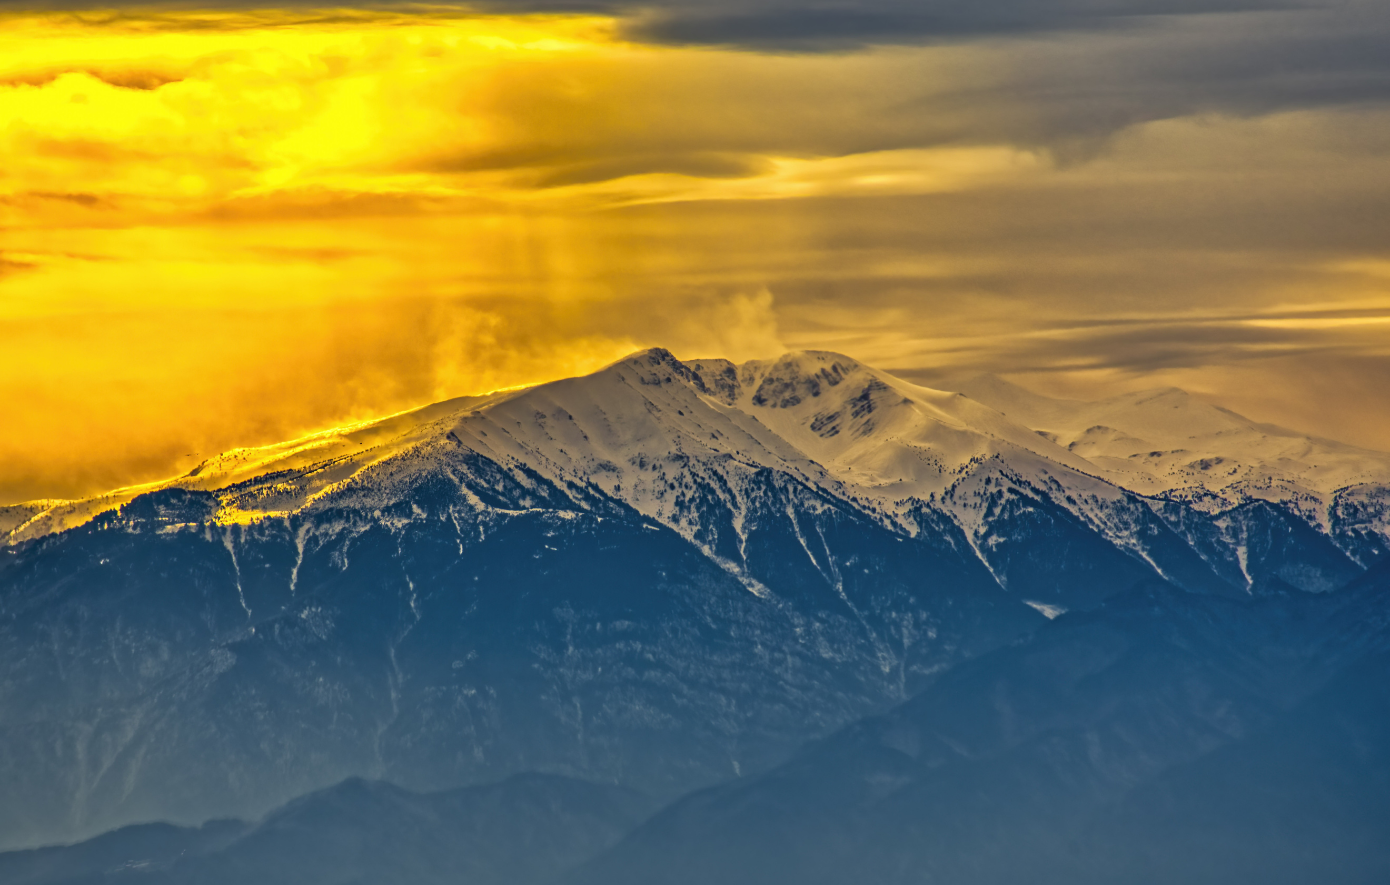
(229, 226)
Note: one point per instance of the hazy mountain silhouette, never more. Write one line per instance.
(522, 831)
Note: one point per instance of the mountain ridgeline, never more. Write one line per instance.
(843, 627)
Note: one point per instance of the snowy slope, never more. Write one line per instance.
(687, 443)
(1168, 441)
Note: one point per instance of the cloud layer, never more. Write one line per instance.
(223, 226)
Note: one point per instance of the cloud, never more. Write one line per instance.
(11, 265)
(320, 216)
(144, 80)
(840, 26)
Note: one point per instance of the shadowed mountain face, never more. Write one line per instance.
(128, 854)
(663, 575)
(453, 648)
(522, 831)
(1162, 738)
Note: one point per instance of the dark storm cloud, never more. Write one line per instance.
(1068, 73)
(837, 26)
(1068, 88)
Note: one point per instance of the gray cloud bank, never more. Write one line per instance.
(774, 24)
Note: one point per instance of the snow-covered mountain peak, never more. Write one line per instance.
(643, 426)
(1166, 440)
(654, 365)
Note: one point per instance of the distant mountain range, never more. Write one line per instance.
(523, 831)
(693, 579)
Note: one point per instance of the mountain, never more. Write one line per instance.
(1168, 441)
(856, 434)
(522, 831)
(661, 575)
(130, 853)
(1162, 738)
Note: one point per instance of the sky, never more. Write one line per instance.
(226, 225)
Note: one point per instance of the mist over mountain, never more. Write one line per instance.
(864, 628)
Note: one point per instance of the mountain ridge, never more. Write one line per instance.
(525, 829)
(592, 578)
(931, 438)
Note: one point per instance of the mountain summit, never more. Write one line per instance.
(846, 428)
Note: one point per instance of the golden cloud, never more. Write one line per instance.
(227, 228)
